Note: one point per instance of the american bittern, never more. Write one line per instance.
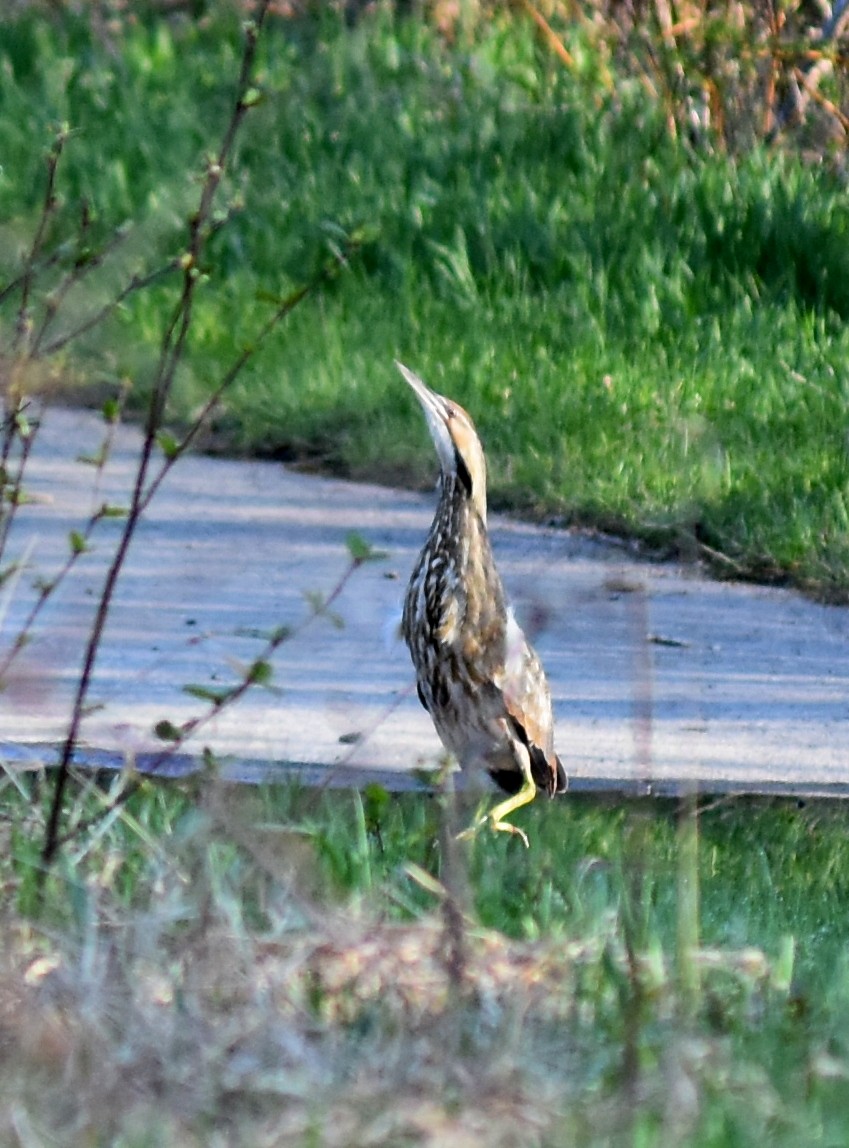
(477, 675)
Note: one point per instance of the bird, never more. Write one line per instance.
(477, 675)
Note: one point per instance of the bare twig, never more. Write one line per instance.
(553, 40)
(48, 208)
(171, 353)
(136, 283)
(776, 20)
(256, 674)
(804, 85)
(83, 265)
(36, 269)
(78, 541)
(809, 82)
(22, 430)
(688, 900)
(46, 589)
(241, 360)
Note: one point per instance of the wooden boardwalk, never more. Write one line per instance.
(661, 678)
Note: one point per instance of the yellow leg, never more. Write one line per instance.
(496, 816)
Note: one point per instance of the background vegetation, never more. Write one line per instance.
(620, 241)
(618, 235)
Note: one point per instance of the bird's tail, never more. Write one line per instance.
(562, 782)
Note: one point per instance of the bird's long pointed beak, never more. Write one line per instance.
(436, 414)
(432, 403)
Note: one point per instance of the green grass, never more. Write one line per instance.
(294, 931)
(651, 338)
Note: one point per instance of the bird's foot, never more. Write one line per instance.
(497, 826)
(508, 827)
(496, 818)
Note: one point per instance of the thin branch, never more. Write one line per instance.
(772, 73)
(39, 266)
(229, 698)
(285, 308)
(173, 345)
(137, 283)
(809, 84)
(11, 490)
(836, 24)
(805, 85)
(83, 265)
(48, 209)
(553, 40)
(48, 588)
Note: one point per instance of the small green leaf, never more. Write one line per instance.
(272, 637)
(22, 425)
(165, 730)
(6, 572)
(375, 806)
(360, 550)
(97, 459)
(260, 673)
(376, 800)
(111, 410)
(365, 233)
(78, 543)
(168, 444)
(315, 598)
(782, 969)
(319, 608)
(107, 510)
(251, 98)
(206, 694)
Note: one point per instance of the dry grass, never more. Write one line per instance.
(197, 974)
(179, 1022)
(313, 1038)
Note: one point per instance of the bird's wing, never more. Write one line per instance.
(527, 700)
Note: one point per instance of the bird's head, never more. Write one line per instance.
(456, 440)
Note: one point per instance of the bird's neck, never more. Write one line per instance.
(459, 536)
(458, 527)
(454, 492)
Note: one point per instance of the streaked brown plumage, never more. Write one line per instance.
(477, 675)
